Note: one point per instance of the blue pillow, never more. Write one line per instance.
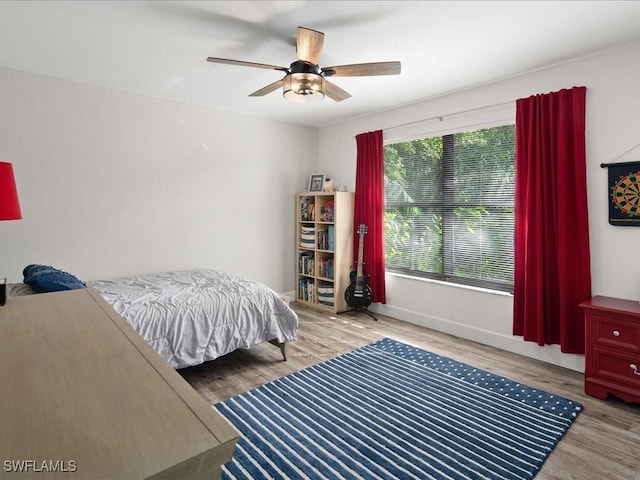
(44, 278)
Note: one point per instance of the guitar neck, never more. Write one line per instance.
(360, 249)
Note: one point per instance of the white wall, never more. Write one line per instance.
(112, 183)
(613, 103)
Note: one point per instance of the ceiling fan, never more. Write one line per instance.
(305, 80)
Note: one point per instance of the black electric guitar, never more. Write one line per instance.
(358, 294)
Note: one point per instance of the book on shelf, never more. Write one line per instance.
(331, 238)
(326, 267)
(306, 289)
(306, 263)
(307, 211)
(326, 212)
(326, 239)
(323, 240)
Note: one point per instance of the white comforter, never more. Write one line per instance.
(193, 316)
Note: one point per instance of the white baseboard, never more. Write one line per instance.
(288, 296)
(550, 354)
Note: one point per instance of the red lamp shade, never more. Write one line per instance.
(9, 204)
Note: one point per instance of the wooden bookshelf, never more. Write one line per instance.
(324, 248)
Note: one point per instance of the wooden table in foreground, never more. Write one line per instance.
(83, 396)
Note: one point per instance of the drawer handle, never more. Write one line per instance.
(616, 333)
(634, 369)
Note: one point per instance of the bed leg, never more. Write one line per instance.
(282, 346)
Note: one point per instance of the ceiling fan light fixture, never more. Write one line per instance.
(303, 87)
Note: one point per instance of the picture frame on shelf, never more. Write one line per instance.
(316, 181)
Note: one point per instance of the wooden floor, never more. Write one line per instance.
(603, 443)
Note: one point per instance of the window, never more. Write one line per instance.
(449, 207)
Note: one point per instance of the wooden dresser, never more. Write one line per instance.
(612, 350)
(84, 396)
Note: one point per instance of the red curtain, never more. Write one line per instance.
(369, 209)
(552, 261)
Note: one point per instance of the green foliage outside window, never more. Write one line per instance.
(449, 207)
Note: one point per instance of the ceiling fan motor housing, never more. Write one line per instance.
(300, 66)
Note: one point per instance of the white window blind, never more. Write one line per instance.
(449, 207)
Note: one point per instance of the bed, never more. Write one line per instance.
(193, 316)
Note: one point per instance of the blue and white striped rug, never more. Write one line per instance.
(393, 411)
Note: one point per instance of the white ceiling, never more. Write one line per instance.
(159, 48)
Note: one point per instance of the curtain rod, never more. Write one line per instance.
(612, 163)
(441, 117)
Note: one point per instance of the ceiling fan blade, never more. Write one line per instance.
(363, 69)
(246, 64)
(268, 89)
(334, 92)
(309, 45)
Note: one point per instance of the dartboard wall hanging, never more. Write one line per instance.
(624, 194)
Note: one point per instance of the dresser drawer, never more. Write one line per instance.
(615, 366)
(616, 333)
(612, 348)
